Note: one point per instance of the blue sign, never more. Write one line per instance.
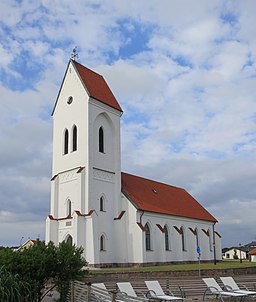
(198, 250)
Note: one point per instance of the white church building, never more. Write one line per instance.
(118, 218)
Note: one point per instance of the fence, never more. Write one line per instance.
(192, 286)
(86, 292)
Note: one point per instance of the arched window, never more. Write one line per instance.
(74, 146)
(147, 237)
(66, 141)
(102, 243)
(69, 240)
(102, 204)
(166, 238)
(69, 207)
(101, 140)
(183, 243)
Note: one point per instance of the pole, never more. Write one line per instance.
(198, 250)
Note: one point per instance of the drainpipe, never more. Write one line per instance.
(141, 217)
(214, 245)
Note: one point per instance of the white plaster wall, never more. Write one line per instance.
(51, 233)
(136, 244)
(108, 163)
(69, 189)
(231, 254)
(130, 249)
(253, 258)
(64, 117)
(104, 178)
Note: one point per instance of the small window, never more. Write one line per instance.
(102, 204)
(102, 243)
(74, 147)
(70, 100)
(69, 207)
(147, 237)
(66, 142)
(101, 140)
(166, 237)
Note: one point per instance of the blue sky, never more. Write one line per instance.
(184, 73)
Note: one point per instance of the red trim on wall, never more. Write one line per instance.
(84, 215)
(54, 177)
(141, 226)
(207, 233)
(80, 170)
(217, 234)
(160, 228)
(193, 231)
(62, 218)
(120, 216)
(179, 230)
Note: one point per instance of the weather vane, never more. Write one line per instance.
(74, 55)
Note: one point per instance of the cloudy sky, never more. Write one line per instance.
(184, 73)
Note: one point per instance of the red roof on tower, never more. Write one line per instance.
(96, 86)
(152, 196)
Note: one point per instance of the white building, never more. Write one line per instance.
(119, 219)
(234, 253)
(252, 255)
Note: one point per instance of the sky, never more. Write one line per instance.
(184, 73)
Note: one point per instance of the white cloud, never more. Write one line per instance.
(188, 96)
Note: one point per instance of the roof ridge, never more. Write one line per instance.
(156, 181)
(91, 70)
(96, 85)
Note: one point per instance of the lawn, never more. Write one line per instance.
(180, 267)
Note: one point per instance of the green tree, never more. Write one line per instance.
(69, 267)
(41, 263)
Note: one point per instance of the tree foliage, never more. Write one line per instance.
(41, 263)
(12, 289)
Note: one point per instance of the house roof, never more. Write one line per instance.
(152, 196)
(96, 86)
(252, 252)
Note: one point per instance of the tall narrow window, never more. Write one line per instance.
(66, 142)
(102, 204)
(101, 140)
(102, 243)
(183, 239)
(74, 138)
(69, 207)
(166, 237)
(147, 238)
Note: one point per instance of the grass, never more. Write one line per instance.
(179, 267)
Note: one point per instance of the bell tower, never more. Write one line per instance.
(86, 172)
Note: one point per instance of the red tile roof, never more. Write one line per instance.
(152, 196)
(252, 252)
(96, 86)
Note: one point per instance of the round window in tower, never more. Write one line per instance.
(70, 100)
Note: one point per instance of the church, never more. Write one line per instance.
(118, 218)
